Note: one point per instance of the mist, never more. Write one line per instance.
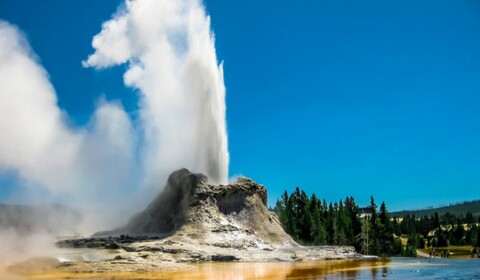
(111, 165)
(169, 49)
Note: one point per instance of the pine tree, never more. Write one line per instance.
(396, 227)
(436, 221)
(469, 218)
(411, 248)
(343, 224)
(287, 214)
(472, 235)
(295, 212)
(478, 238)
(355, 223)
(304, 218)
(385, 237)
(318, 234)
(332, 230)
(363, 237)
(458, 234)
(374, 232)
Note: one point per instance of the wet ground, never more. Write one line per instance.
(394, 268)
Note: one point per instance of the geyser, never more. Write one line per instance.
(168, 48)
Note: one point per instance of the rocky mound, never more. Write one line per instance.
(193, 221)
(191, 207)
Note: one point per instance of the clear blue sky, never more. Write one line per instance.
(337, 97)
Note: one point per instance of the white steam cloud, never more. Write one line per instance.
(169, 49)
(171, 59)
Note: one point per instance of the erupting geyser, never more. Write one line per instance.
(170, 52)
(168, 48)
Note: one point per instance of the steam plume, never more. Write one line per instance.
(171, 59)
(169, 49)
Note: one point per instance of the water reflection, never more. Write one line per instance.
(395, 268)
(295, 270)
(337, 269)
(274, 271)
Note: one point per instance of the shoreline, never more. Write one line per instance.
(266, 270)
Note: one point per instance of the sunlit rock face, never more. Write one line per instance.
(189, 205)
(192, 220)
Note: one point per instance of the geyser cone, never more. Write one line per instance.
(194, 221)
(189, 206)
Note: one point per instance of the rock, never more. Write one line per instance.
(194, 221)
(190, 206)
(145, 255)
(224, 258)
(105, 243)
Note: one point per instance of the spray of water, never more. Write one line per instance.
(169, 51)
(171, 59)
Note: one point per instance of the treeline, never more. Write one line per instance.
(460, 203)
(460, 208)
(439, 231)
(371, 230)
(311, 221)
